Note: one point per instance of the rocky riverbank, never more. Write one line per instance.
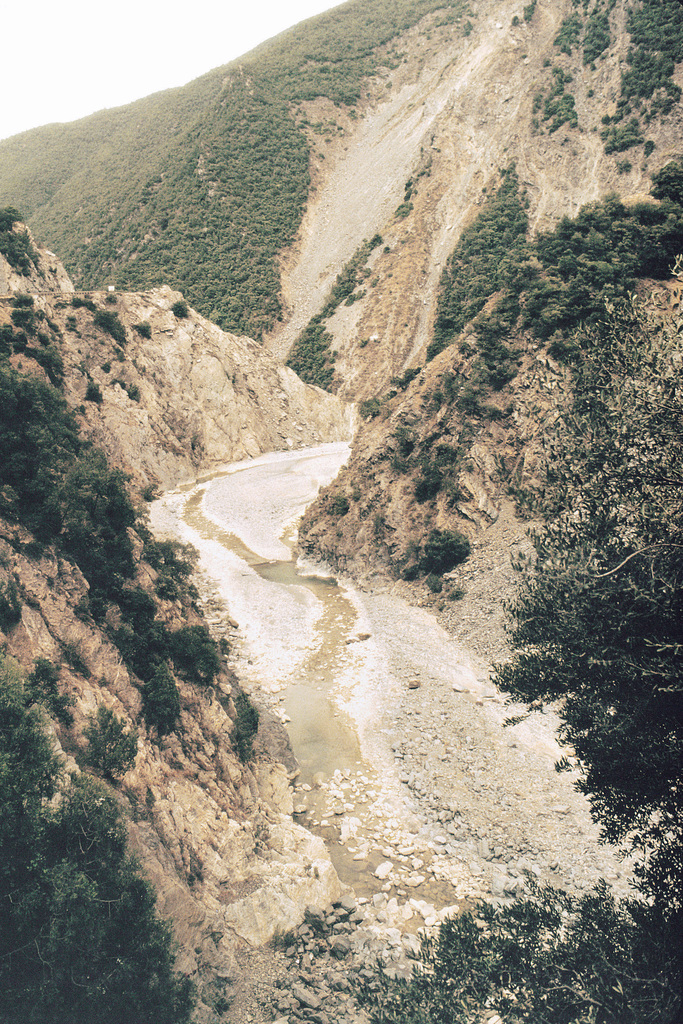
(449, 806)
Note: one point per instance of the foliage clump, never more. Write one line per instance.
(552, 283)
(246, 726)
(194, 653)
(81, 942)
(109, 321)
(488, 248)
(161, 700)
(16, 246)
(111, 748)
(547, 957)
(598, 622)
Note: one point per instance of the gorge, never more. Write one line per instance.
(383, 320)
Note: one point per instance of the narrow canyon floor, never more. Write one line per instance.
(427, 801)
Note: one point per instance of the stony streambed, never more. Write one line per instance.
(426, 801)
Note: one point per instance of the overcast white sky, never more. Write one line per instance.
(64, 59)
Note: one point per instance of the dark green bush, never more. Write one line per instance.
(10, 605)
(161, 700)
(180, 309)
(668, 183)
(369, 408)
(109, 322)
(597, 36)
(42, 688)
(16, 247)
(93, 392)
(144, 329)
(72, 654)
(111, 748)
(569, 34)
(39, 439)
(78, 302)
(246, 726)
(50, 358)
(494, 242)
(142, 639)
(443, 550)
(550, 957)
(194, 653)
(97, 512)
(434, 583)
(311, 355)
(174, 564)
(338, 505)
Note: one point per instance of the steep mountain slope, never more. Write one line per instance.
(456, 110)
(367, 110)
(106, 616)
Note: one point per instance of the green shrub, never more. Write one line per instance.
(180, 309)
(111, 749)
(97, 512)
(42, 688)
(338, 505)
(246, 726)
(494, 242)
(550, 957)
(93, 392)
(142, 640)
(40, 440)
(72, 654)
(597, 36)
(311, 356)
(443, 550)
(51, 361)
(174, 564)
(15, 246)
(144, 329)
(78, 302)
(434, 583)
(161, 700)
(194, 653)
(80, 941)
(668, 183)
(109, 322)
(369, 408)
(618, 137)
(10, 605)
(570, 31)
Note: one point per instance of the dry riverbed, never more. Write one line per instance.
(427, 801)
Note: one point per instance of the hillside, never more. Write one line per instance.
(107, 397)
(250, 189)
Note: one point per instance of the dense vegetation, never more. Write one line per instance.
(550, 284)
(80, 941)
(549, 958)
(311, 355)
(597, 634)
(16, 246)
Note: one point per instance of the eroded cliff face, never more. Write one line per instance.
(455, 110)
(214, 835)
